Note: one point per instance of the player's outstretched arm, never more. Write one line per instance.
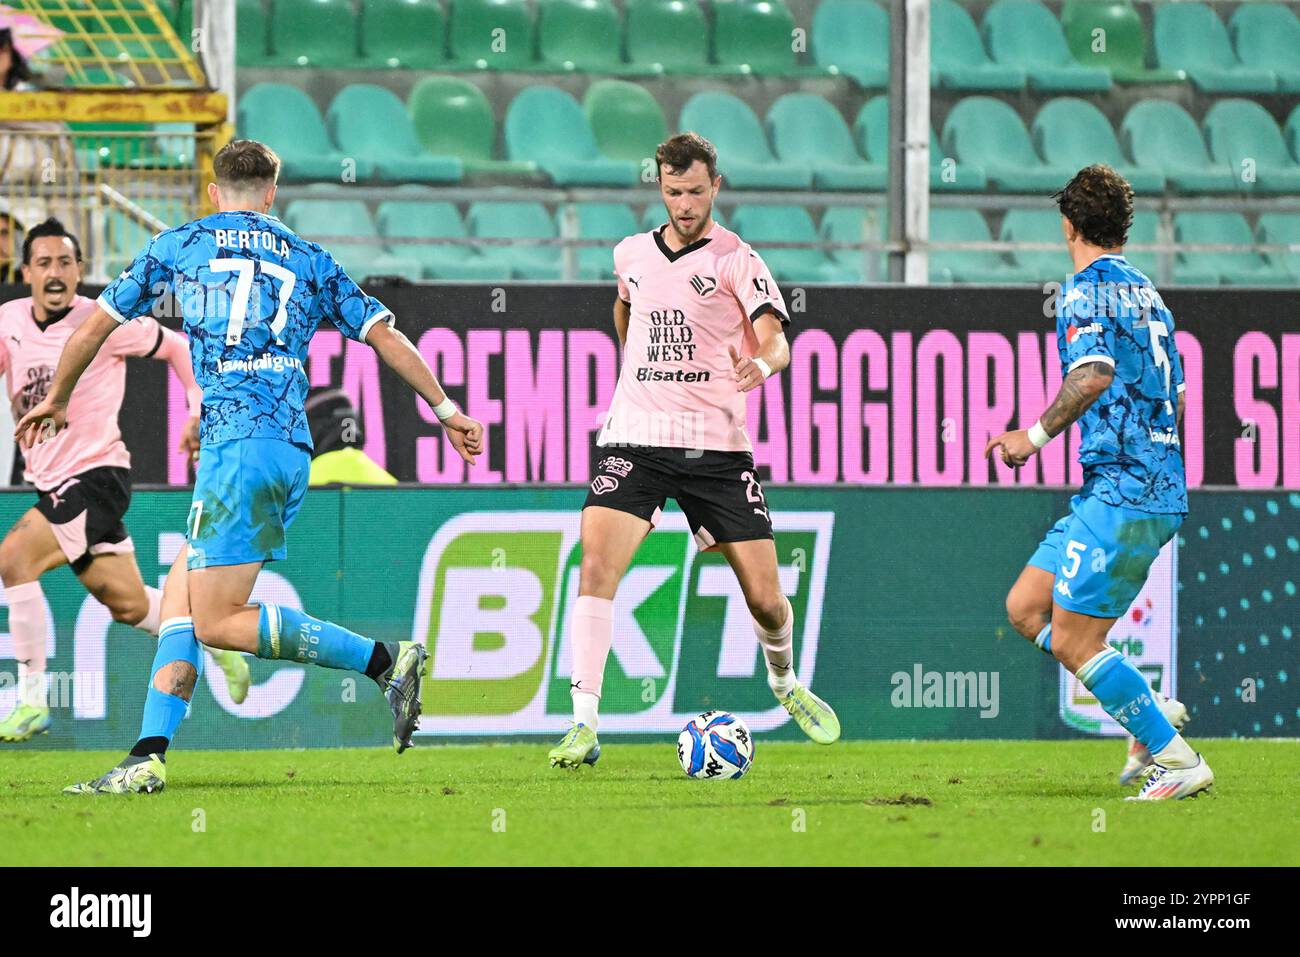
(464, 433)
(772, 357)
(50, 415)
(175, 351)
(1081, 388)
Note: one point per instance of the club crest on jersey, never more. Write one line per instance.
(612, 463)
(704, 285)
(604, 483)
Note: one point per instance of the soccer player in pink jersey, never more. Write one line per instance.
(82, 475)
(701, 322)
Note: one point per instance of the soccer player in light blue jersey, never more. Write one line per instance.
(1123, 384)
(252, 293)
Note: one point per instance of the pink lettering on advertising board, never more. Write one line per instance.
(1255, 459)
(535, 406)
(435, 460)
(814, 423)
(361, 382)
(592, 366)
(864, 348)
(480, 346)
(765, 422)
(1189, 351)
(1291, 410)
(901, 400)
(991, 368)
(939, 434)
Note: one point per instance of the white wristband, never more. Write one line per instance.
(445, 409)
(763, 367)
(1038, 435)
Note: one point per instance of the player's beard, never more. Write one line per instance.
(697, 227)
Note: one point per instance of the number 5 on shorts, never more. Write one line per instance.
(1073, 551)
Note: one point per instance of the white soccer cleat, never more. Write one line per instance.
(1174, 784)
(1139, 759)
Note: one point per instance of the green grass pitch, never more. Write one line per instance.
(860, 803)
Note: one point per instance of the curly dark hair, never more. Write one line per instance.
(679, 152)
(1099, 202)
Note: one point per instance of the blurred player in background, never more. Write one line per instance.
(1123, 384)
(82, 476)
(337, 436)
(701, 323)
(252, 292)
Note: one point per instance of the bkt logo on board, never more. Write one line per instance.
(494, 607)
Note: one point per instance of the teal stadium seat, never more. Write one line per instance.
(490, 35)
(758, 225)
(1109, 34)
(1070, 132)
(1282, 229)
(754, 36)
(408, 34)
(1267, 35)
(871, 133)
(321, 34)
(1159, 135)
(744, 158)
(452, 117)
(320, 219)
(1236, 269)
(990, 134)
(1191, 37)
(546, 126)
(1037, 226)
(252, 33)
(584, 35)
(609, 222)
(667, 36)
(856, 224)
(958, 59)
(1243, 136)
(285, 118)
(806, 129)
(626, 121)
(1145, 231)
(425, 218)
(852, 38)
(966, 265)
(370, 122)
(1292, 133)
(1025, 34)
(498, 220)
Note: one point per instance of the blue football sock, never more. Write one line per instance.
(1044, 640)
(292, 635)
(163, 712)
(1128, 698)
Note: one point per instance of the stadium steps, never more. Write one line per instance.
(806, 129)
(369, 122)
(1242, 136)
(1191, 37)
(1024, 34)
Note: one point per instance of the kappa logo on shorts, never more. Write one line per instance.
(704, 285)
(603, 484)
(612, 463)
(1064, 588)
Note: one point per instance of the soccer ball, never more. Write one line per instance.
(715, 746)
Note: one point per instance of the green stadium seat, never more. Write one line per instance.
(490, 34)
(1191, 37)
(966, 265)
(498, 220)
(252, 33)
(325, 218)
(1236, 269)
(806, 129)
(1025, 34)
(1037, 226)
(1145, 231)
(452, 117)
(584, 35)
(958, 60)
(1159, 135)
(626, 120)
(545, 125)
(1070, 132)
(402, 33)
(402, 219)
(754, 36)
(314, 33)
(759, 225)
(1282, 229)
(856, 224)
(369, 122)
(852, 37)
(610, 222)
(745, 158)
(990, 134)
(871, 133)
(1267, 35)
(285, 118)
(668, 36)
(1109, 34)
(1243, 136)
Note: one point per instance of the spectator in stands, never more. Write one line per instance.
(13, 66)
(9, 227)
(336, 437)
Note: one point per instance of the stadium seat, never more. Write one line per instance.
(1242, 136)
(546, 126)
(126, 237)
(1070, 132)
(1160, 135)
(753, 36)
(625, 119)
(1145, 231)
(610, 222)
(582, 35)
(1025, 34)
(744, 157)
(1237, 269)
(252, 33)
(1292, 133)
(958, 60)
(856, 224)
(1124, 50)
(806, 129)
(1267, 35)
(490, 34)
(285, 118)
(774, 224)
(871, 133)
(990, 134)
(495, 220)
(321, 219)
(370, 122)
(852, 37)
(402, 33)
(1037, 226)
(1282, 229)
(425, 218)
(966, 265)
(1191, 37)
(314, 33)
(452, 117)
(668, 36)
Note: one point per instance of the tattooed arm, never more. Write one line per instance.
(1081, 388)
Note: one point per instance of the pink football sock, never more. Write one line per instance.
(593, 633)
(27, 624)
